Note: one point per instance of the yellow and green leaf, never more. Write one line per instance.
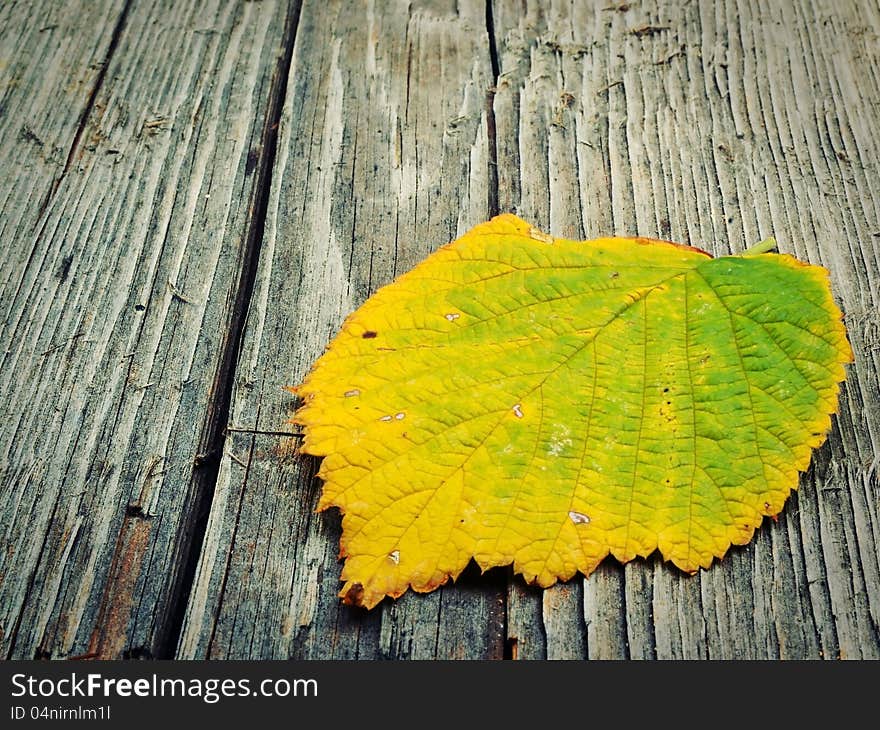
(521, 399)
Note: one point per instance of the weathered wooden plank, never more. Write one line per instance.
(383, 156)
(51, 60)
(116, 331)
(717, 124)
(127, 222)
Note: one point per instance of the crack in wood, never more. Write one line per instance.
(190, 541)
(492, 166)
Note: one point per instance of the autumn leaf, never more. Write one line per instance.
(522, 399)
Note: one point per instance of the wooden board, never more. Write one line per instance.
(51, 64)
(714, 124)
(383, 156)
(125, 249)
(193, 197)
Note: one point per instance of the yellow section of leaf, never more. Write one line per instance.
(519, 398)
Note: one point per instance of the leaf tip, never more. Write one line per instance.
(352, 594)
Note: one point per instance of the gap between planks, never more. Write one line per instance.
(217, 418)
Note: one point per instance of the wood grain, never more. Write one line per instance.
(52, 58)
(383, 156)
(117, 305)
(194, 195)
(716, 124)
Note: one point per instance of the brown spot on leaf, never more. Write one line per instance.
(653, 241)
(354, 595)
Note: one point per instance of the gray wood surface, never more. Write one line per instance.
(118, 301)
(169, 266)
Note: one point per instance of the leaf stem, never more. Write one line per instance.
(765, 246)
